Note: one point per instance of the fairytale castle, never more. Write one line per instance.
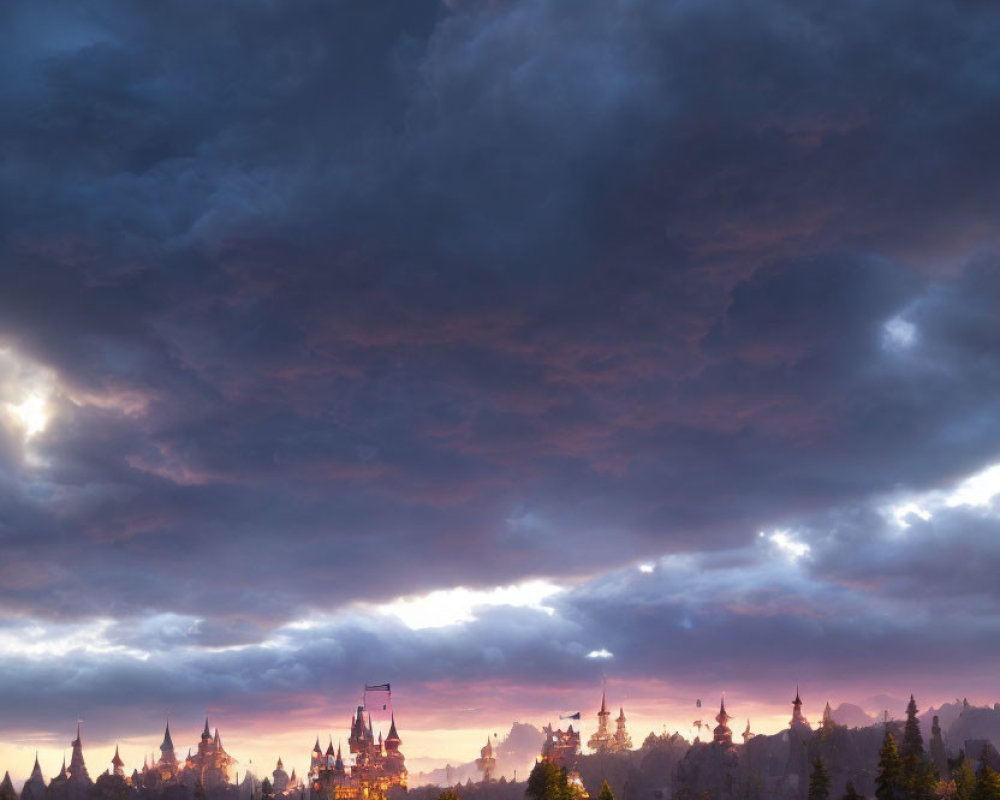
(378, 766)
(603, 741)
(377, 769)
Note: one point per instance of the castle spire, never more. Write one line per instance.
(722, 734)
(77, 767)
(117, 763)
(797, 718)
(392, 741)
(604, 705)
(168, 743)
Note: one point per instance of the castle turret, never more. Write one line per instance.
(167, 764)
(798, 720)
(747, 736)
(601, 738)
(722, 735)
(34, 787)
(77, 767)
(828, 722)
(279, 777)
(392, 741)
(117, 765)
(621, 741)
(487, 763)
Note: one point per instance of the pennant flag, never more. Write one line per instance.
(378, 687)
(570, 716)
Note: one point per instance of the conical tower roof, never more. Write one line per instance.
(604, 705)
(36, 771)
(393, 737)
(168, 743)
(117, 760)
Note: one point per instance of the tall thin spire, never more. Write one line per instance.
(168, 743)
(722, 734)
(797, 718)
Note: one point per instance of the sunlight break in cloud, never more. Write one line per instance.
(898, 334)
(977, 490)
(602, 653)
(786, 543)
(25, 391)
(454, 606)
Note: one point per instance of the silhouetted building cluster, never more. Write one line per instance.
(377, 769)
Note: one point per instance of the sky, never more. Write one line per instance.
(494, 349)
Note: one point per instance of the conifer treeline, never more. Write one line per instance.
(906, 772)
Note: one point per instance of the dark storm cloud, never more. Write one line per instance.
(349, 302)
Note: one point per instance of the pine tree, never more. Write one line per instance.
(987, 783)
(965, 780)
(938, 753)
(819, 782)
(850, 793)
(911, 754)
(547, 782)
(605, 793)
(889, 783)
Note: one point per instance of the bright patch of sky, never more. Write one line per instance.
(646, 568)
(786, 543)
(446, 607)
(898, 334)
(34, 640)
(976, 491)
(602, 653)
(26, 392)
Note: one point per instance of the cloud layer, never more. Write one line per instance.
(308, 308)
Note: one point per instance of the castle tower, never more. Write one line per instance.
(747, 736)
(358, 739)
(392, 741)
(797, 718)
(487, 763)
(316, 760)
(395, 761)
(34, 787)
(828, 722)
(117, 765)
(279, 778)
(602, 736)
(621, 741)
(722, 734)
(77, 767)
(167, 765)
